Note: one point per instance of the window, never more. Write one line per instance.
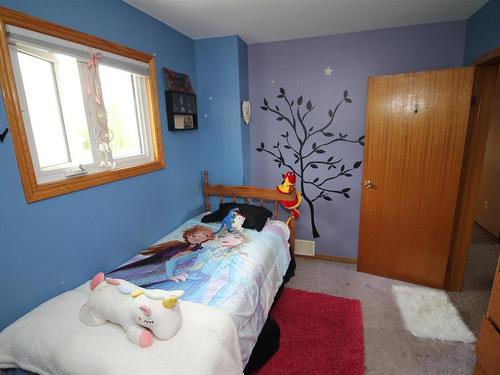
(84, 113)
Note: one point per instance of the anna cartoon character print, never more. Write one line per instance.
(152, 270)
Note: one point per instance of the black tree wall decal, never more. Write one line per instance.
(307, 147)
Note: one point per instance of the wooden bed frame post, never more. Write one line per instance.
(205, 190)
(247, 193)
(291, 226)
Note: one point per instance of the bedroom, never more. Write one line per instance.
(53, 242)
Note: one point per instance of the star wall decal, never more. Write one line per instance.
(328, 71)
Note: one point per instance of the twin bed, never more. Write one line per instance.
(230, 282)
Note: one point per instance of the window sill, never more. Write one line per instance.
(36, 192)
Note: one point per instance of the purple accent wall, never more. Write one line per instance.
(297, 66)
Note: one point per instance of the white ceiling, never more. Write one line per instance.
(258, 21)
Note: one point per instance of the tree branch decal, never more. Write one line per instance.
(303, 147)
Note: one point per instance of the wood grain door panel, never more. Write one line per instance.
(487, 352)
(494, 306)
(486, 92)
(415, 134)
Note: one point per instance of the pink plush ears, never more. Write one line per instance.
(145, 309)
(99, 278)
(96, 280)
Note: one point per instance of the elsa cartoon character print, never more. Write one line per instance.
(204, 278)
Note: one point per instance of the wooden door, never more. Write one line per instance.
(416, 126)
(485, 111)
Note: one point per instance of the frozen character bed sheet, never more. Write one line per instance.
(238, 272)
(150, 269)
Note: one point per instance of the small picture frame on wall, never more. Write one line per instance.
(181, 101)
(178, 82)
(181, 111)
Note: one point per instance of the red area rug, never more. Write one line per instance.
(320, 334)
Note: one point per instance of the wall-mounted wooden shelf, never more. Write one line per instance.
(182, 113)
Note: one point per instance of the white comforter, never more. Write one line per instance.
(51, 340)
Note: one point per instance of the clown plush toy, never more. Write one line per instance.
(287, 186)
(141, 312)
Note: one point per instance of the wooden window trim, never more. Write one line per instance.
(34, 191)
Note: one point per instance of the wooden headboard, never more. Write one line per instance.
(249, 194)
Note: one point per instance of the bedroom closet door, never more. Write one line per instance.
(416, 127)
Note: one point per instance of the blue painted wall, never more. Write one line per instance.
(483, 31)
(222, 73)
(54, 245)
(244, 95)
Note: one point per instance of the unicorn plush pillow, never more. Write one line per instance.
(141, 312)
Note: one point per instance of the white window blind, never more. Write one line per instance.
(17, 35)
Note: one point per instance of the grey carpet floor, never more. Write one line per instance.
(389, 347)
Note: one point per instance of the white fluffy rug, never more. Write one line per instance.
(428, 313)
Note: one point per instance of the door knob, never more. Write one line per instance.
(368, 184)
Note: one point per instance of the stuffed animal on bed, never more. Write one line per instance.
(141, 312)
(287, 186)
(233, 221)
